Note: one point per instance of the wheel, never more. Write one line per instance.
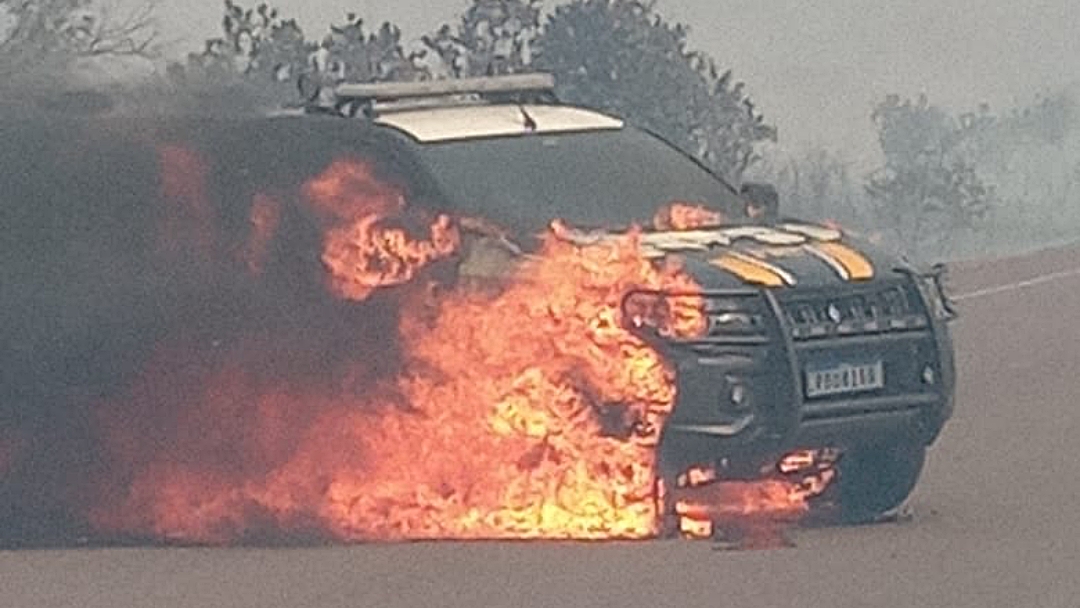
(876, 479)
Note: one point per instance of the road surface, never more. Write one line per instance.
(996, 520)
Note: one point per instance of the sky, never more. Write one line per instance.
(813, 67)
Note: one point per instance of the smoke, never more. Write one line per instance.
(1034, 162)
(137, 262)
(1028, 155)
(213, 337)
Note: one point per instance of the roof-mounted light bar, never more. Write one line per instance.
(538, 82)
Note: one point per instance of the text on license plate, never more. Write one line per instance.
(845, 378)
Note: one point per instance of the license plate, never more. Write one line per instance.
(845, 378)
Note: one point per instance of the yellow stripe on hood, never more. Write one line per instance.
(753, 270)
(855, 266)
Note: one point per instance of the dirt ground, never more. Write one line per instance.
(995, 517)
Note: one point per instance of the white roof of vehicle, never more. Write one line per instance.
(476, 121)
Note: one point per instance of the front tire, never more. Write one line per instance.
(876, 479)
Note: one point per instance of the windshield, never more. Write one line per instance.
(600, 178)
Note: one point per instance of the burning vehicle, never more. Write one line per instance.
(446, 309)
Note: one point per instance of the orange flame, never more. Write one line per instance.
(704, 500)
(360, 252)
(669, 315)
(732, 500)
(753, 514)
(533, 413)
(680, 215)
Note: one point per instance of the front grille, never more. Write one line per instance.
(905, 360)
(871, 309)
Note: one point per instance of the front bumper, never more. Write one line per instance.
(705, 428)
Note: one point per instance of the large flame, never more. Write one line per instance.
(529, 411)
(363, 253)
(537, 415)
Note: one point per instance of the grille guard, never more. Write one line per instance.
(652, 334)
(937, 277)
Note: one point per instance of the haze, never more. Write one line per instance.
(814, 68)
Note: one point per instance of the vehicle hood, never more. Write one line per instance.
(784, 255)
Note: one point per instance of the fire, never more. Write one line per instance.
(799, 460)
(361, 251)
(440, 411)
(686, 216)
(566, 406)
(532, 413)
(668, 315)
(734, 500)
(750, 514)
(704, 501)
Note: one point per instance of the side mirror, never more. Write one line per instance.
(760, 201)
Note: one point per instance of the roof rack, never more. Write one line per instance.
(350, 98)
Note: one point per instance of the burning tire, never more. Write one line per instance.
(876, 479)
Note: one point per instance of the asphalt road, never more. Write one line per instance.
(996, 520)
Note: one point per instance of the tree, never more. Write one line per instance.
(1047, 121)
(352, 55)
(262, 56)
(1032, 151)
(617, 56)
(493, 37)
(816, 184)
(51, 36)
(256, 46)
(928, 189)
(620, 56)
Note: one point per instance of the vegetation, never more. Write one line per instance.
(928, 188)
(38, 37)
(945, 183)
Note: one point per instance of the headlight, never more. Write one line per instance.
(663, 315)
(732, 316)
(691, 316)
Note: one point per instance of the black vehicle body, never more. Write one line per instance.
(897, 318)
(795, 337)
(822, 321)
